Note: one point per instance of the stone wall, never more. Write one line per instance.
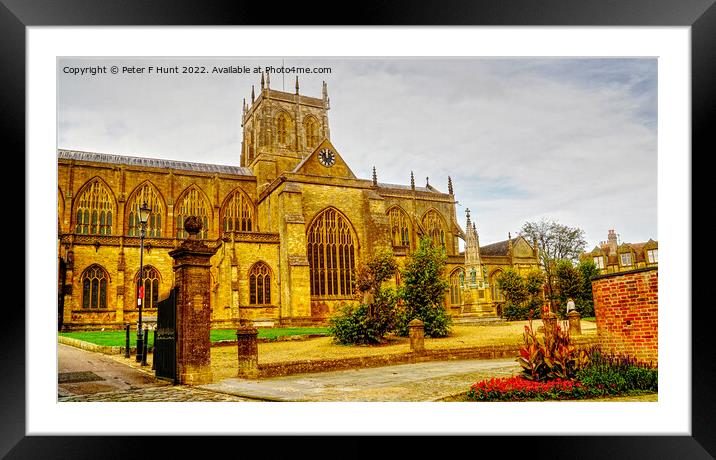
(626, 308)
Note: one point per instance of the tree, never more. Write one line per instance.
(569, 283)
(423, 290)
(522, 293)
(585, 304)
(369, 321)
(555, 242)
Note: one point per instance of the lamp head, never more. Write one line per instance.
(144, 213)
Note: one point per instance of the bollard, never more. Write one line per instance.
(126, 347)
(248, 351)
(416, 330)
(575, 325)
(154, 337)
(146, 346)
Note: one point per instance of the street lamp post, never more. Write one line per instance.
(143, 216)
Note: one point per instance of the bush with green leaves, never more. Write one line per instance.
(522, 293)
(423, 291)
(617, 374)
(368, 322)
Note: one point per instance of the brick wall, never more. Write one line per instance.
(626, 308)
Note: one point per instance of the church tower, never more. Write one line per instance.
(281, 129)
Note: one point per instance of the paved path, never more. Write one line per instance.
(82, 372)
(178, 393)
(93, 377)
(428, 381)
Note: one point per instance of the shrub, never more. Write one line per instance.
(353, 325)
(513, 312)
(618, 373)
(368, 322)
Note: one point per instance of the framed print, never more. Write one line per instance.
(458, 39)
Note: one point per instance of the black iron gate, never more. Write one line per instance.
(165, 350)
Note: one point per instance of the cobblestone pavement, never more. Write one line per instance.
(179, 393)
(83, 372)
(429, 381)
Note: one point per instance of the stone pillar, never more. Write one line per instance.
(550, 322)
(416, 330)
(193, 322)
(248, 351)
(575, 326)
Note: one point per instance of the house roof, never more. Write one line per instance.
(151, 162)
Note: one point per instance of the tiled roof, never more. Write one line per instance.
(152, 162)
(501, 248)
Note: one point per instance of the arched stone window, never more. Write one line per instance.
(331, 255)
(95, 208)
(238, 213)
(282, 126)
(497, 295)
(399, 227)
(94, 287)
(311, 131)
(151, 287)
(192, 203)
(145, 193)
(434, 227)
(456, 284)
(260, 284)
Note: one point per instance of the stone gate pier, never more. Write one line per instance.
(192, 281)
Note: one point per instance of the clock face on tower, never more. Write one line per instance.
(326, 157)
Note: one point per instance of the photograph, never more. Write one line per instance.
(357, 229)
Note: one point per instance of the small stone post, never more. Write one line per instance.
(550, 322)
(193, 320)
(575, 326)
(416, 330)
(248, 351)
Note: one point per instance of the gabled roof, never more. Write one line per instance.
(501, 248)
(151, 162)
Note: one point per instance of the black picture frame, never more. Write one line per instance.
(700, 15)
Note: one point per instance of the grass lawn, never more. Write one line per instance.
(117, 338)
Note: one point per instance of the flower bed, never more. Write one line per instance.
(520, 389)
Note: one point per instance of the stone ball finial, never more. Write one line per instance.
(193, 226)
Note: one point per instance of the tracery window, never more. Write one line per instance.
(94, 210)
(331, 255)
(238, 214)
(433, 225)
(311, 128)
(282, 128)
(399, 227)
(146, 194)
(192, 204)
(260, 284)
(151, 287)
(456, 284)
(94, 287)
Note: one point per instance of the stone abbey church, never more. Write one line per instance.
(289, 224)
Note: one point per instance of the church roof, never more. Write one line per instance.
(151, 162)
(407, 187)
(501, 248)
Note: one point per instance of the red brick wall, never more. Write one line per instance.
(626, 308)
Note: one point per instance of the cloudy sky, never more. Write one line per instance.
(573, 140)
